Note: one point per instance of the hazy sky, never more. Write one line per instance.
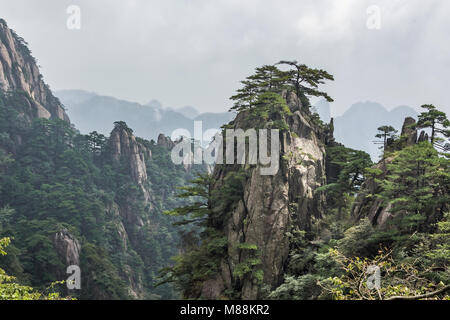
(195, 52)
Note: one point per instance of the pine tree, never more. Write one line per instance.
(417, 186)
(200, 209)
(306, 80)
(269, 78)
(351, 165)
(385, 133)
(438, 123)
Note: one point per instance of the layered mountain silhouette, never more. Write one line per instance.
(92, 112)
(357, 127)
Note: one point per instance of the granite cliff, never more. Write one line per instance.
(114, 228)
(271, 206)
(20, 73)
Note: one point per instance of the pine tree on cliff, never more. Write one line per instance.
(385, 133)
(416, 187)
(438, 123)
(269, 78)
(306, 80)
(123, 125)
(352, 165)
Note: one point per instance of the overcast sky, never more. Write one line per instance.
(195, 52)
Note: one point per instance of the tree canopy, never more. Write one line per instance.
(437, 121)
(304, 81)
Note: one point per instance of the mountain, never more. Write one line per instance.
(90, 112)
(94, 201)
(312, 228)
(20, 73)
(256, 222)
(357, 127)
(247, 243)
(188, 111)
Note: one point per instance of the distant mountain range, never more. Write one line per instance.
(90, 111)
(357, 127)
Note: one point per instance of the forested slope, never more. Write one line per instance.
(329, 218)
(72, 199)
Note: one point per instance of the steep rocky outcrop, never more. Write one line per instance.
(113, 204)
(165, 141)
(409, 132)
(126, 150)
(124, 145)
(365, 204)
(130, 155)
(67, 247)
(271, 205)
(20, 73)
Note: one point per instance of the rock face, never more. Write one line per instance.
(126, 151)
(423, 137)
(132, 236)
(124, 145)
(67, 247)
(272, 205)
(166, 142)
(19, 72)
(409, 131)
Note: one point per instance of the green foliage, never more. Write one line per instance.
(386, 133)
(438, 123)
(416, 187)
(100, 278)
(123, 126)
(247, 267)
(199, 210)
(250, 264)
(247, 246)
(297, 288)
(400, 280)
(269, 80)
(266, 79)
(270, 106)
(196, 265)
(56, 178)
(357, 240)
(306, 80)
(350, 166)
(11, 290)
(201, 259)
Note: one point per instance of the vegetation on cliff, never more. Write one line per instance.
(333, 257)
(53, 178)
(313, 230)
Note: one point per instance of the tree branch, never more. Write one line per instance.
(421, 296)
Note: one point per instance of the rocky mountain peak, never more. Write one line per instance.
(20, 73)
(67, 247)
(409, 131)
(165, 141)
(125, 146)
(271, 205)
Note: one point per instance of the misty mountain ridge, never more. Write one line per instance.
(356, 128)
(92, 112)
